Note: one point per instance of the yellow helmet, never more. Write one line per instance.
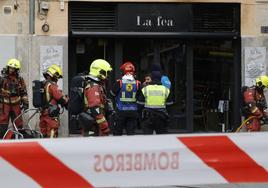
(14, 63)
(54, 71)
(100, 69)
(262, 81)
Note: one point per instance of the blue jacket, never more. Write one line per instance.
(166, 82)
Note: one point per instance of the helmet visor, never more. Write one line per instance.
(57, 75)
(104, 74)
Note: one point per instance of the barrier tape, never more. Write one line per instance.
(158, 160)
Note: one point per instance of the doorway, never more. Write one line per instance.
(213, 85)
(201, 72)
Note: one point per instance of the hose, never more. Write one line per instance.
(244, 122)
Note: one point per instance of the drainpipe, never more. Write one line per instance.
(31, 16)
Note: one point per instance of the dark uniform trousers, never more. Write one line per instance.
(154, 121)
(125, 120)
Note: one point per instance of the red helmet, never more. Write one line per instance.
(128, 68)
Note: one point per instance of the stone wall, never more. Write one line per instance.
(27, 49)
(14, 17)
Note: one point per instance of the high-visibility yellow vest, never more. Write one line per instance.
(155, 96)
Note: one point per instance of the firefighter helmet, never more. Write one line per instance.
(262, 81)
(54, 71)
(100, 69)
(14, 63)
(128, 68)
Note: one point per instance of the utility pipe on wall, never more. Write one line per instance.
(31, 16)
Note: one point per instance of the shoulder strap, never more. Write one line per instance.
(88, 84)
(46, 86)
(137, 84)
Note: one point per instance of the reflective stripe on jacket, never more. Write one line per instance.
(52, 92)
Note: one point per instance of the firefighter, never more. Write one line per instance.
(125, 92)
(155, 97)
(49, 118)
(13, 95)
(96, 99)
(254, 104)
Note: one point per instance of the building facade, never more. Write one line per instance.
(207, 48)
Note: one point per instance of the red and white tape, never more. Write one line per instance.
(135, 161)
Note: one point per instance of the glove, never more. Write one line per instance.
(66, 105)
(67, 102)
(104, 129)
(63, 101)
(110, 108)
(66, 98)
(111, 113)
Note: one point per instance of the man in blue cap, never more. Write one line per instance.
(165, 81)
(164, 78)
(154, 97)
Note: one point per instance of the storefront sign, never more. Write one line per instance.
(159, 21)
(154, 18)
